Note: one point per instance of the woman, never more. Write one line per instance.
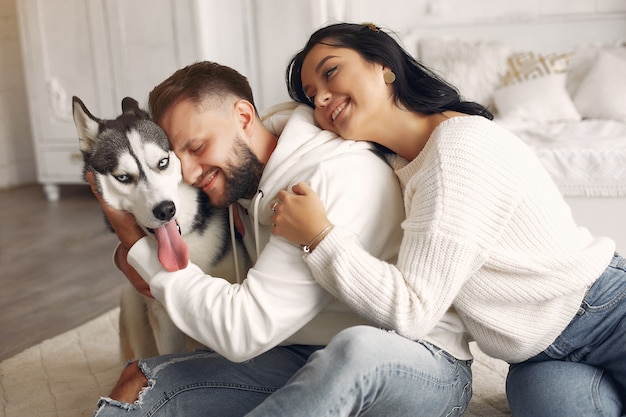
(487, 231)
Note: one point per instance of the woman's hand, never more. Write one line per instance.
(298, 217)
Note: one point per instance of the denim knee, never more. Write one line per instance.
(354, 341)
(369, 349)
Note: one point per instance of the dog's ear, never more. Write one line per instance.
(87, 126)
(131, 106)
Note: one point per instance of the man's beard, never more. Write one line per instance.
(243, 173)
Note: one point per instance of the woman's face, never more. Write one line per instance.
(348, 92)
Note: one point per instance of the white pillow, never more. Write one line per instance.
(533, 88)
(543, 99)
(585, 55)
(473, 67)
(602, 92)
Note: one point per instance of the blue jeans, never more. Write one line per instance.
(583, 372)
(366, 371)
(363, 371)
(204, 383)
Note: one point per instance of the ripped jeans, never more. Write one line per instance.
(204, 383)
(363, 371)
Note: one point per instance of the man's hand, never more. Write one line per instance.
(121, 256)
(128, 232)
(122, 222)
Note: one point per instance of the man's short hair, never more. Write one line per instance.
(196, 82)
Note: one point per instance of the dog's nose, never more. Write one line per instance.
(165, 210)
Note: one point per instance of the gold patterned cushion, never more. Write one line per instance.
(533, 89)
(524, 66)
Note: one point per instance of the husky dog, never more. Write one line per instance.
(136, 171)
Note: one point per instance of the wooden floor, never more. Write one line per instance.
(56, 270)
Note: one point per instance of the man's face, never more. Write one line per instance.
(213, 150)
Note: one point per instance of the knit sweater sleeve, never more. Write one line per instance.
(454, 216)
(410, 297)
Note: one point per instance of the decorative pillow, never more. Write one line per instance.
(523, 66)
(602, 92)
(473, 67)
(533, 88)
(585, 55)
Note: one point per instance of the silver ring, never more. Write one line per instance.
(274, 204)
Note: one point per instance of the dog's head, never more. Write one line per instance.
(134, 167)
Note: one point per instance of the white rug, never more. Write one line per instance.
(64, 376)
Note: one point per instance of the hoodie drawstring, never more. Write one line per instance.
(255, 212)
(233, 242)
(233, 238)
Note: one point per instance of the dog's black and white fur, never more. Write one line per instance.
(136, 171)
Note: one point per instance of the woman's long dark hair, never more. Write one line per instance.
(416, 87)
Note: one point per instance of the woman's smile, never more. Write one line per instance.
(338, 110)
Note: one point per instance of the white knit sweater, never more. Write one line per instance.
(488, 232)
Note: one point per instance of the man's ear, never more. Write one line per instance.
(247, 115)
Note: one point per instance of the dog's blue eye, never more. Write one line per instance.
(123, 178)
(164, 163)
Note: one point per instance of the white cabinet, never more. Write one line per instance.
(100, 51)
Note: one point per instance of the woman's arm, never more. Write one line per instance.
(410, 296)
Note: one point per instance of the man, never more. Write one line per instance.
(262, 330)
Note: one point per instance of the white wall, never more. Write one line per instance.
(396, 13)
(17, 160)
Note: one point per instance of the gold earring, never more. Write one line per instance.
(389, 77)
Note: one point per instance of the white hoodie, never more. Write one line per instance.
(280, 302)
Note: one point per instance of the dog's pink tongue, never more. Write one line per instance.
(173, 251)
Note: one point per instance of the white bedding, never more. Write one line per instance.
(585, 158)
